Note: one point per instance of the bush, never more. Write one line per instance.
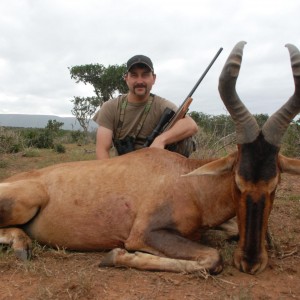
(10, 141)
(77, 136)
(290, 142)
(210, 145)
(59, 148)
(39, 138)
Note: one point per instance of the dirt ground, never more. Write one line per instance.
(60, 274)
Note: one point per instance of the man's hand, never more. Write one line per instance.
(158, 142)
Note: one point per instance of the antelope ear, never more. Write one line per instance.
(289, 165)
(216, 167)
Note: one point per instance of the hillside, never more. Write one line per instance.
(40, 121)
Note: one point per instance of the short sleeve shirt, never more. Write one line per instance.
(108, 116)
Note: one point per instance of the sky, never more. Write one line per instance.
(41, 39)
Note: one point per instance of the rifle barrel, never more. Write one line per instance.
(204, 73)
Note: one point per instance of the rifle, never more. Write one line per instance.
(169, 117)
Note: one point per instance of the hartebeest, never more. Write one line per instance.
(141, 201)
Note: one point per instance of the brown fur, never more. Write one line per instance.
(138, 201)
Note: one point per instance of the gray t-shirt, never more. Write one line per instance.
(108, 116)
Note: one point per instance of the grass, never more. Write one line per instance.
(77, 285)
(3, 164)
(33, 158)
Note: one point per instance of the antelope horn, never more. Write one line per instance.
(275, 127)
(247, 128)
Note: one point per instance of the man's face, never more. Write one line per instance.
(140, 80)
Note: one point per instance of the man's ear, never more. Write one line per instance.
(154, 77)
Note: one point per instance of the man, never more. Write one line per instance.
(128, 119)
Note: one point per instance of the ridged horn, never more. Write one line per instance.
(247, 128)
(275, 127)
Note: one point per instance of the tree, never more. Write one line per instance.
(106, 82)
(261, 119)
(54, 125)
(84, 108)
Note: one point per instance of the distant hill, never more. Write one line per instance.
(40, 121)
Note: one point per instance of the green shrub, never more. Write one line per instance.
(59, 148)
(10, 141)
(290, 142)
(39, 138)
(78, 136)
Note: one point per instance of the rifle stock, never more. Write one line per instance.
(180, 113)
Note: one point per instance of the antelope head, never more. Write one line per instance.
(257, 164)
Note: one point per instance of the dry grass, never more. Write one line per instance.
(32, 158)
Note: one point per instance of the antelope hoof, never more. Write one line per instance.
(217, 268)
(109, 259)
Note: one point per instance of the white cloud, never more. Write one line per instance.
(39, 40)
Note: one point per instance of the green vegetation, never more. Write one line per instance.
(216, 137)
(106, 81)
(10, 141)
(28, 140)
